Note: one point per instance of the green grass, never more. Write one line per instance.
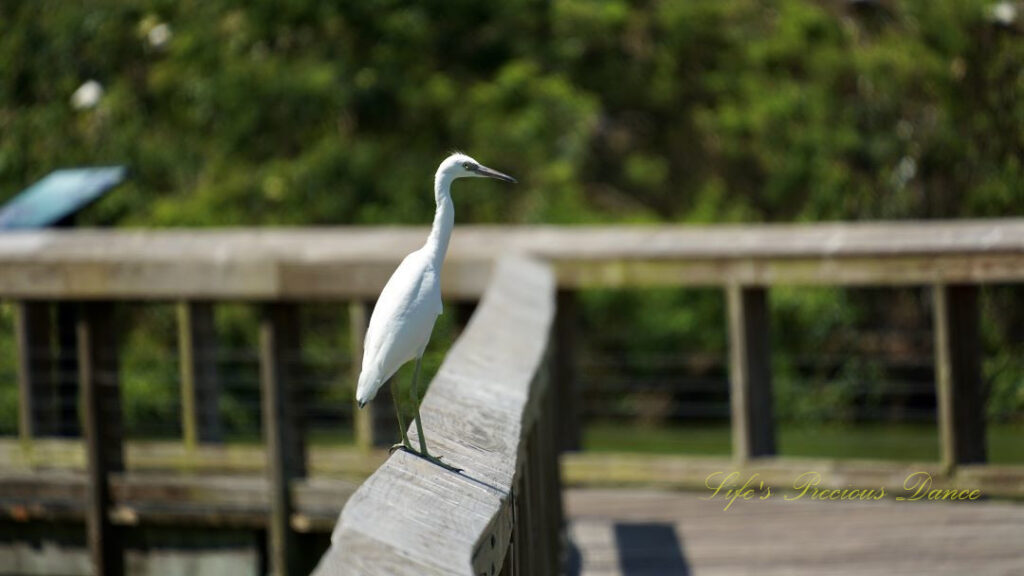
(697, 440)
(332, 437)
(864, 441)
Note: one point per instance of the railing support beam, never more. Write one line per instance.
(753, 423)
(285, 444)
(98, 378)
(567, 391)
(200, 389)
(960, 393)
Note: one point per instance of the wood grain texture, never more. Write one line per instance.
(337, 263)
(412, 517)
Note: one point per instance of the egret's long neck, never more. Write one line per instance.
(444, 220)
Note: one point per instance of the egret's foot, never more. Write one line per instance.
(402, 446)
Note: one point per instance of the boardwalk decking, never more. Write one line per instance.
(653, 533)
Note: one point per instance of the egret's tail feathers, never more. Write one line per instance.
(369, 383)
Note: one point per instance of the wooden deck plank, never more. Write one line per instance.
(218, 501)
(691, 472)
(763, 537)
(792, 537)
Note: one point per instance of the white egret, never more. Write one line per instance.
(410, 303)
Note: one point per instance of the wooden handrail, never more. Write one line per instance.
(488, 411)
(355, 262)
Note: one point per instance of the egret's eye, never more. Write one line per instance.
(466, 165)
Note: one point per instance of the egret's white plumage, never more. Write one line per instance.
(410, 303)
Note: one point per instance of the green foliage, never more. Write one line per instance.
(1002, 330)
(8, 372)
(149, 371)
(304, 112)
(311, 113)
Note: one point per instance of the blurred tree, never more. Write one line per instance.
(309, 112)
(312, 112)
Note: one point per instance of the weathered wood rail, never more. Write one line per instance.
(199, 266)
(71, 279)
(490, 411)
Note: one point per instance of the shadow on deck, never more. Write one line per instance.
(643, 548)
(647, 533)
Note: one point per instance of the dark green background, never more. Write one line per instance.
(313, 112)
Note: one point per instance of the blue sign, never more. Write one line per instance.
(60, 194)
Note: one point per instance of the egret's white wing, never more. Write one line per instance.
(401, 323)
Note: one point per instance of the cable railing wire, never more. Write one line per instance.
(884, 370)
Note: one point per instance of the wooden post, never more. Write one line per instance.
(200, 389)
(753, 425)
(542, 549)
(960, 390)
(553, 480)
(567, 391)
(66, 368)
(285, 445)
(375, 424)
(98, 378)
(36, 393)
(526, 538)
(549, 483)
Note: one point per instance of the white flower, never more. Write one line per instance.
(904, 172)
(87, 96)
(1004, 13)
(159, 35)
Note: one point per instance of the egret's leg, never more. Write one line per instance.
(419, 426)
(401, 419)
(416, 402)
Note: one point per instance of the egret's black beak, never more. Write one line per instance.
(489, 173)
